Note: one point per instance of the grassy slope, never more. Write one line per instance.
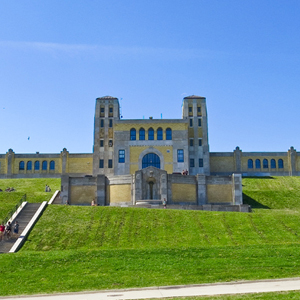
(100, 248)
(33, 188)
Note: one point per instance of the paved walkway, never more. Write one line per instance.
(241, 287)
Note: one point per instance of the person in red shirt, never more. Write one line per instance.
(2, 229)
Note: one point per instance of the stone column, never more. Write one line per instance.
(10, 162)
(237, 153)
(164, 186)
(64, 157)
(101, 190)
(138, 185)
(237, 192)
(292, 161)
(202, 194)
(64, 194)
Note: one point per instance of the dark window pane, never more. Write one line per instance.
(159, 134)
(121, 156)
(151, 159)
(52, 165)
(101, 163)
(250, 164)
(21, 165)
(151, 134)
(142, 134)
(110, 164)
(44, 165)
(180, 156)
(132, 134)
(192, 163)
(169, 134)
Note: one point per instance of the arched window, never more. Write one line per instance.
(169, 134)
(250, 164)
(132, 134)
(273, 163)
(150, 134)
(44, 165)
(29, 165)
(151, 159)
(265, 164)
(257, 164)
(21, 165)
(159, 134)
(142, 134)
(280, 163)
(37, 165)
(52, 165)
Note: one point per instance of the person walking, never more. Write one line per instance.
(2, 230)
(16, 228)
(8, 230)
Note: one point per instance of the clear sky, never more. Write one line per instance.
(57, 57)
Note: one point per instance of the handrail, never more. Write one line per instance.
(14, 209)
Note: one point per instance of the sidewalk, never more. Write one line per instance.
(241, 287)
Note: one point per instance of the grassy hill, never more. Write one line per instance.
(33, 188)
(87, 248)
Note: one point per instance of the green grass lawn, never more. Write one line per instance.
(89, 248)
(33, 188)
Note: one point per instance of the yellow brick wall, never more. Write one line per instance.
(120, 193)
(219, 193)
(200, 132)
(17, 161)
(184, 192)
(82, 194)
(222, 164)
(80, 165)
(3, 167)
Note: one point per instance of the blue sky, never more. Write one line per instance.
(57, 57)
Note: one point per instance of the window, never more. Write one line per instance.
(192, 163)
(250, 164)
(101, 163)
(199, 110)
(29, 165)
(150, 134)
(102, 109)
(257, 164)
(21, 165)
(132, 134)
(44, 165)
(191, 142)
(37, 165)
(190, 109)
(110, 109)
(265, 164)
(200, 162)
(142, 134)
(280, 163)
(168, 134)
(121, 156)
(101, 143)
(52, 165)
(191, 122)
(200, 142)
(159, 134)
(110, 123)
(110, 143)
(199, 122)
(110, 164)
(273, 163)
(180, 156)
(102, 123)
(151, 159)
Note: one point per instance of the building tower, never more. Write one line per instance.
(194, 109)
(107, 111)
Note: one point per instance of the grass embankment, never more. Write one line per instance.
(106, 247)
(33, 188)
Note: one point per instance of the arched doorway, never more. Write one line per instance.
(151, 159)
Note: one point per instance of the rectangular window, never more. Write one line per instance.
(199, 110)
(110, 164)
(199, 122)
(102, 110)
(180, 156)
(200, 162)
(190, 109)
(101, 163)
(200, 142)
(192, 163)
(102, 123)
(191, 142)
(191, 122)
(121, 156)
(110, 143)
(101, 143)
(111, 110)
(110, 123)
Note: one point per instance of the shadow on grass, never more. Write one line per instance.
(253, 203)
(261, 177)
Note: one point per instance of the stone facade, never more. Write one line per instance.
(142, 160)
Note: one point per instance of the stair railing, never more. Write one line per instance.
(14, 209)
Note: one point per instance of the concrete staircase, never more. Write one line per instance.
(23, 219)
